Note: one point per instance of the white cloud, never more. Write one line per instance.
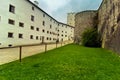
(59, 8)
(56, 4)
(52, 5)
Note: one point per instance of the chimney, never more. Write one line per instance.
(36, 3)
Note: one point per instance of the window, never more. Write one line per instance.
(32, 27)
(36, 37)
(37, 29)
(31, 36)
(12, 8)
(21, 24)
(50, 26)
(47, 31)
(43, 23)
(43, 15)
(58, 34)
(47, 38)
(10, 21)
(65, 35)
(62, 35)
(32, 18)
(10, 35)
(43, 30)
(32, 8)
(20, 35)
(50, 38)
(51, 19)
(10, 45)
(40, 37)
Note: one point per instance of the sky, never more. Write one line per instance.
(58, 9)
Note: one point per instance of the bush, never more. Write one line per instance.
(91, 38)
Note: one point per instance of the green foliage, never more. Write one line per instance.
(91, 38)
(71, 62)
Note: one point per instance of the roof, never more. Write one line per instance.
(47, 14)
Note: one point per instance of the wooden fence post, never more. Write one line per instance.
(45, 47)
(20, 54)
(56, 44)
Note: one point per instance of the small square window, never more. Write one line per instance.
(10, 35)
(47, 38)
(48, 32)
(40, 37)
(43, 30)
(32, 8)
(37, 29)
(43, 23)
(36, 37)
(10, 21)
(20, 35)
(12, 8)
(32, 27)
(51, 19)
(32, 18)
(50, 38)
(21, 24)
(31, 36)
(43, 15)
(50, 26)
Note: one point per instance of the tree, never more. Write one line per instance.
(91, 38)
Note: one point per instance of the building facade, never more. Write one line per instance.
(23, 23)
(71, 19)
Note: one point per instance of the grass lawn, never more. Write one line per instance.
(71, 62)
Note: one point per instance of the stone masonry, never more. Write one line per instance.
(108, 24)
(83, 20)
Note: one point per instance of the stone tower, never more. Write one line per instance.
(71, 19)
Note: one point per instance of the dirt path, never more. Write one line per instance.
(12, 54)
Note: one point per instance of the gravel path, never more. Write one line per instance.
(12, 54)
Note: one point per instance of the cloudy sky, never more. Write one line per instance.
(59, 8)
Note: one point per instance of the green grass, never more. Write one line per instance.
(71, 62)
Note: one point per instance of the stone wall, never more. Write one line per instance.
(83, 20)
(109, 24)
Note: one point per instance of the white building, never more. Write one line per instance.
(24, 23)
